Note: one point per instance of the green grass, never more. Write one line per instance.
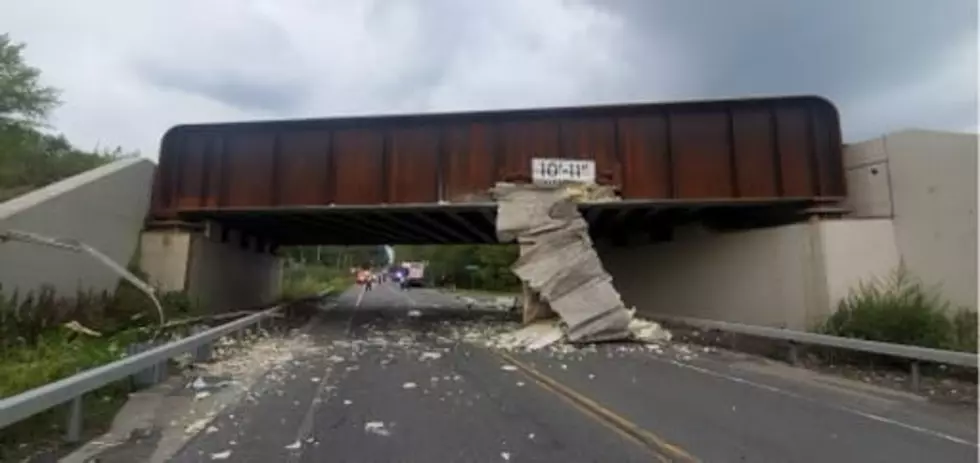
(37, 349)
(305, 281)
(43, 433)
(59, 354)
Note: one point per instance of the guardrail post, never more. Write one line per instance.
(203, 352)
(794, 353)
(73, 428)
(915, 376)
(160, 372)
(148, 376)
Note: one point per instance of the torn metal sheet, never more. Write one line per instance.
(558, 264)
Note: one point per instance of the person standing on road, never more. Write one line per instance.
(364, 277)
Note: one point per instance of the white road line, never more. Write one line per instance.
(353, 313)
(777, 390)
(360, 297)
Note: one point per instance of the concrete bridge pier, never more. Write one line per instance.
(221, 269)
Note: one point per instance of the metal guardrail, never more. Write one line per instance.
(71, 389)
(913, 353)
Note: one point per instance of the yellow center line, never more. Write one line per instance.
(650, 441)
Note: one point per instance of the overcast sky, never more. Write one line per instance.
(131, 69)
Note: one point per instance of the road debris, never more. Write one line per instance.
(409, 386)
(294, 446)
(376, 427)
(647, 331)
(508, 368)
(81, 329)
(221, 455)
(198, 425)
(558, 266)
(531, 337)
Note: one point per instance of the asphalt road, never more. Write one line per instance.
(405, 377)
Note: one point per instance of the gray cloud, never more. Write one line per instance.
(229, 86)
(846, 50)
(128, 76)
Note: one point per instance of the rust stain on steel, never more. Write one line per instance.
(754, 149)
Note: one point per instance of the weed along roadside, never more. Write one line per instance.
(898, 310)
(902, 310)
(48, 353)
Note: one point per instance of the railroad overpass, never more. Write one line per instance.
(424, 179)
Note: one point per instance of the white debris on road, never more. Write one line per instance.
(294, 446)
(261, 356)
(409, 386)
(198, 383)
(531, 337)
(376, 427)
(414, 313)
(508, 368)
(648, 331)
(221, 455)
(198, 425)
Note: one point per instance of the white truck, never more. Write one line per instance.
(412, 274)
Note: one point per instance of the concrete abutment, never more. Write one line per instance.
(219, 269)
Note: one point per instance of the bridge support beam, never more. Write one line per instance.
(220, 269)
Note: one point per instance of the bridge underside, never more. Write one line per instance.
(473, 223)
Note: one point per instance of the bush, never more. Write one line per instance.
(26, 318)
(965, 330)
(902, 310)
(302, 281)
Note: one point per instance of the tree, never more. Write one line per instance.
(485, 266)
(24, 100)
(338, 256)
(30, 158)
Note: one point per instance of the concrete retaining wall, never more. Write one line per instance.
(104, 208)
(927, 182)
(218, 275)
(790, 276)
(914, 198)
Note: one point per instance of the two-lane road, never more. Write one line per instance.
(407, 377)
